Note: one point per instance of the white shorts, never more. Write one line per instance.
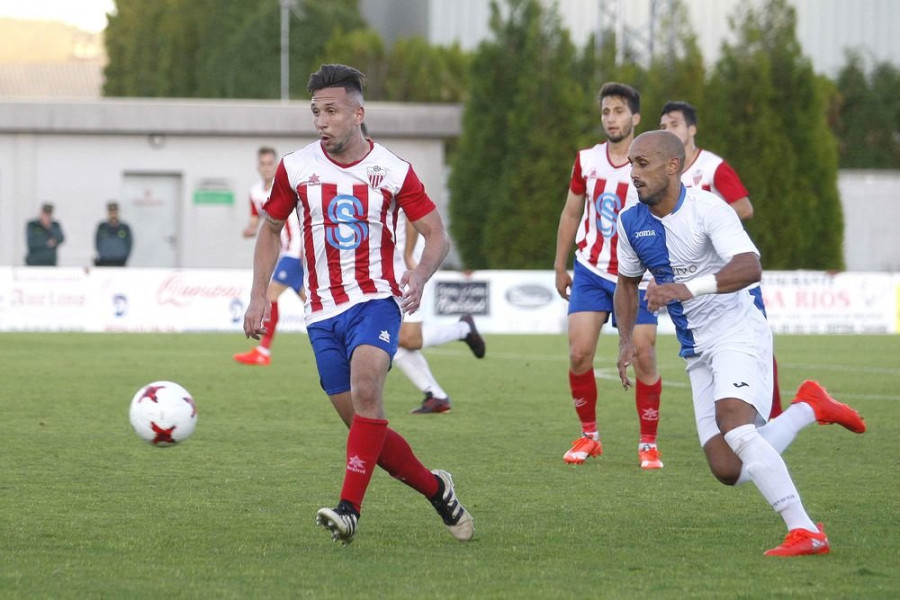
(738, 365)
(416, 317)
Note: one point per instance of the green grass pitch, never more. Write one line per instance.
(88, 510)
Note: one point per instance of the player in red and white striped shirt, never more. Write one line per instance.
(347, 192)
(712, 173)
(599, 188)
(288, 272)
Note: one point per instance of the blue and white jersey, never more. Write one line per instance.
(698, 238)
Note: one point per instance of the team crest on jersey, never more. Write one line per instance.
(313, 180)
(376, 176)
(698, 175)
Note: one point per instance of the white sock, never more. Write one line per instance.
(782, 430)
(770, 475)
(435, 335)
(415, 367)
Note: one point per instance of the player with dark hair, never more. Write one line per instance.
(712, 173)
(701, 260)
(348, 191)
(599, 188)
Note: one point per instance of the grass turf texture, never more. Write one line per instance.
(90, 511)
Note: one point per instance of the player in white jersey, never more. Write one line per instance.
(599, 188)
(289, 272)
(701, 259)
(414, 335)
(348, 191)
(710, 172)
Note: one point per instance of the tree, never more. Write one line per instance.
(511, 168)
(868, 115)
(768, 116)
(213, 49)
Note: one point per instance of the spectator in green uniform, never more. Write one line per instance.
(44, 235)
(113, 240)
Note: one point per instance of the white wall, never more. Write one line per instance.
(76, 155)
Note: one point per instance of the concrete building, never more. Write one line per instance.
(180, 169)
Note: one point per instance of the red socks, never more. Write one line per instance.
(398, 460)
(364, 444)
(584, 395)
(776, 391)
(371, 442)
(646, 398)
(266, 341)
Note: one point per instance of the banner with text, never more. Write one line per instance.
(181, 300)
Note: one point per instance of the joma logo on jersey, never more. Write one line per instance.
(607, 206)
(347, 228)
(645, 233)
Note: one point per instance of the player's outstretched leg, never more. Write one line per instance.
(827, 409)
(473, 339)
(340, 521)
(455, 516)
(801, 542)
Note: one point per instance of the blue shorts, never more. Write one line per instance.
(592, 293)
(374, 323)
(289, 272)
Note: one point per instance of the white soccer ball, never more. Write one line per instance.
(163, 413)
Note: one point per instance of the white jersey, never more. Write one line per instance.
(698, 238)
(607, 189)
(348, 219)
(399, 258)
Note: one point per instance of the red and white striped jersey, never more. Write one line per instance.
(291, 240)
(348, 217)
(607, 188)
(290, 235)
(710, 172)
(258, 196)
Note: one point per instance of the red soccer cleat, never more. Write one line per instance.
(827, 409)
(800, 542)
(254, 357)
(581, 449)
(649, 456)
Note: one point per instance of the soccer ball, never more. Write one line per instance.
(163, 413)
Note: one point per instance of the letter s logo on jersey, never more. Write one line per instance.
(347, 229)
(607, 206)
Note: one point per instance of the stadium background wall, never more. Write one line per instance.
(79, 155)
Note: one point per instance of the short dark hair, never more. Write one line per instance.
(263, 150)
(631, 96)
(685, 108)
(341, 76)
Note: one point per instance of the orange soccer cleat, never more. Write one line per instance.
(254, 357)
(648, 454)
(827, 409)
(581, 449)
(800, 542)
